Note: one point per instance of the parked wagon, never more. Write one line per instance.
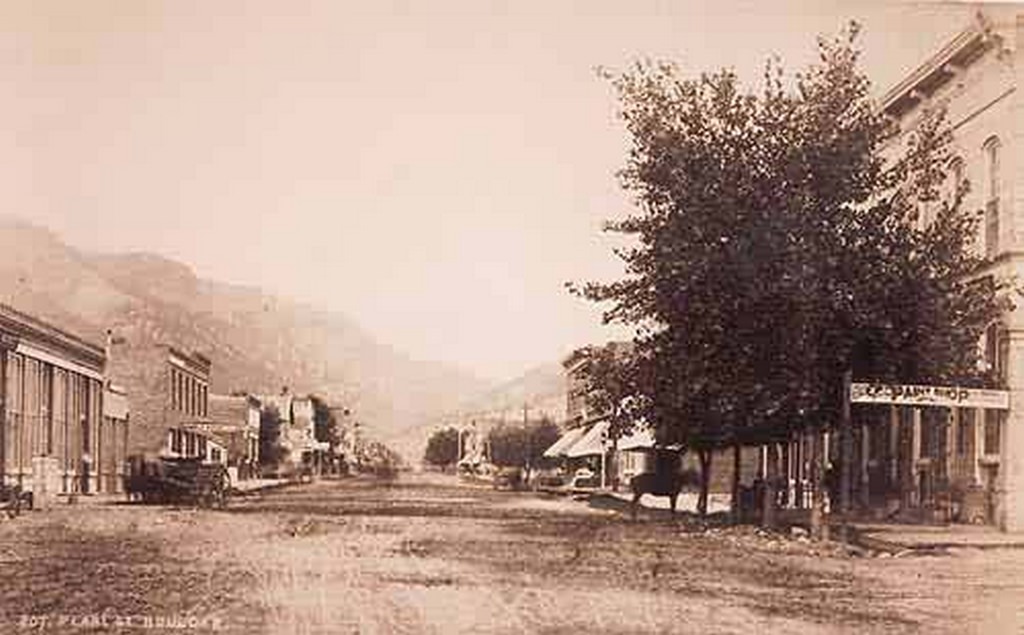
(13, 499)
(187, 481)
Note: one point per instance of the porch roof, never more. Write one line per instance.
(564, 442)
(592, 443)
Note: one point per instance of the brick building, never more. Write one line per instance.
(976, 454)
(61, 430)
(169, 392)
(234, 421)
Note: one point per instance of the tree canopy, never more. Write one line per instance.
(443, 447)
(326, 427)
(778, 245)
(519, 444)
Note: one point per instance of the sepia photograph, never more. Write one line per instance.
(373, 317)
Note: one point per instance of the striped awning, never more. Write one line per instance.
(559, 447)
(592, 443)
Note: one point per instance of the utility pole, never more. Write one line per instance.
(529, 440)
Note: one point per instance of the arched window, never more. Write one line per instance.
(991, 150)
(996, 349)
(956, 176)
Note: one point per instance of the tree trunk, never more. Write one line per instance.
(614, 463)
(737, 512)
(845, 450)
(771, 477)
(705, 481)
(819, 526)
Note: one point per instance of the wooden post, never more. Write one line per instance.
(736, 463)
(865, 458)
(952, 426)
(845, 448)
(770, 480)
(819, 528)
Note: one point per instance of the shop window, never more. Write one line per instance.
(993, 431)
(176, 441)
(965, 431)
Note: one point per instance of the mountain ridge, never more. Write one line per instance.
(258, 341)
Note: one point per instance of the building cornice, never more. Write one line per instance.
(21, 326)
(945, 64)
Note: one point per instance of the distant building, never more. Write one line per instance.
(296, 437)
(234, 422)
(587, 439)
(61, 430)
(169, 393)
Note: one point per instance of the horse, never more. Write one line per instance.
(656, 483)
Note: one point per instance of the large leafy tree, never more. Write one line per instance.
(443, 448)
(777, 248)
(326, 427)
(521, 444)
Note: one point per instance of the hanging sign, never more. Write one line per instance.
(916, 395)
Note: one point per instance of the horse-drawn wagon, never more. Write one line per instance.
(178, 481)
(13, 499)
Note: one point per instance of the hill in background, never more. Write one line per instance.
(256, 341)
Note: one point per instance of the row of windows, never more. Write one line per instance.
(187, 443)
(990, 434)
(49, 411)
(189, 395)
(991, 185)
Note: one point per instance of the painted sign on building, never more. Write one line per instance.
(916, 395)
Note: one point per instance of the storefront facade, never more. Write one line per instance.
(54, 415)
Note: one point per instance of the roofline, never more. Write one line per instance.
(248, 398)
(30, 326)
(976, 35)
(195, 358)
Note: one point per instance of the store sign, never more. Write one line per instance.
(914, 395)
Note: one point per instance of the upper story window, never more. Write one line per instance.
(956, 176)
(992, 151)
(996, 350)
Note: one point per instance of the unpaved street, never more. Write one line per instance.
(423, 555)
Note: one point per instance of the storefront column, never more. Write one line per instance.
(3, 413)
(915, 455)
(1011, 450)
(894, 447)
(798, 471)
(953, 425)
(978, 449)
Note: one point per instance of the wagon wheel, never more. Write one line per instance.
(14, 507)
(218, 487)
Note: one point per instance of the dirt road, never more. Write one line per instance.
(426, 556)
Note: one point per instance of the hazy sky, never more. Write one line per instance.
(436, 170)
